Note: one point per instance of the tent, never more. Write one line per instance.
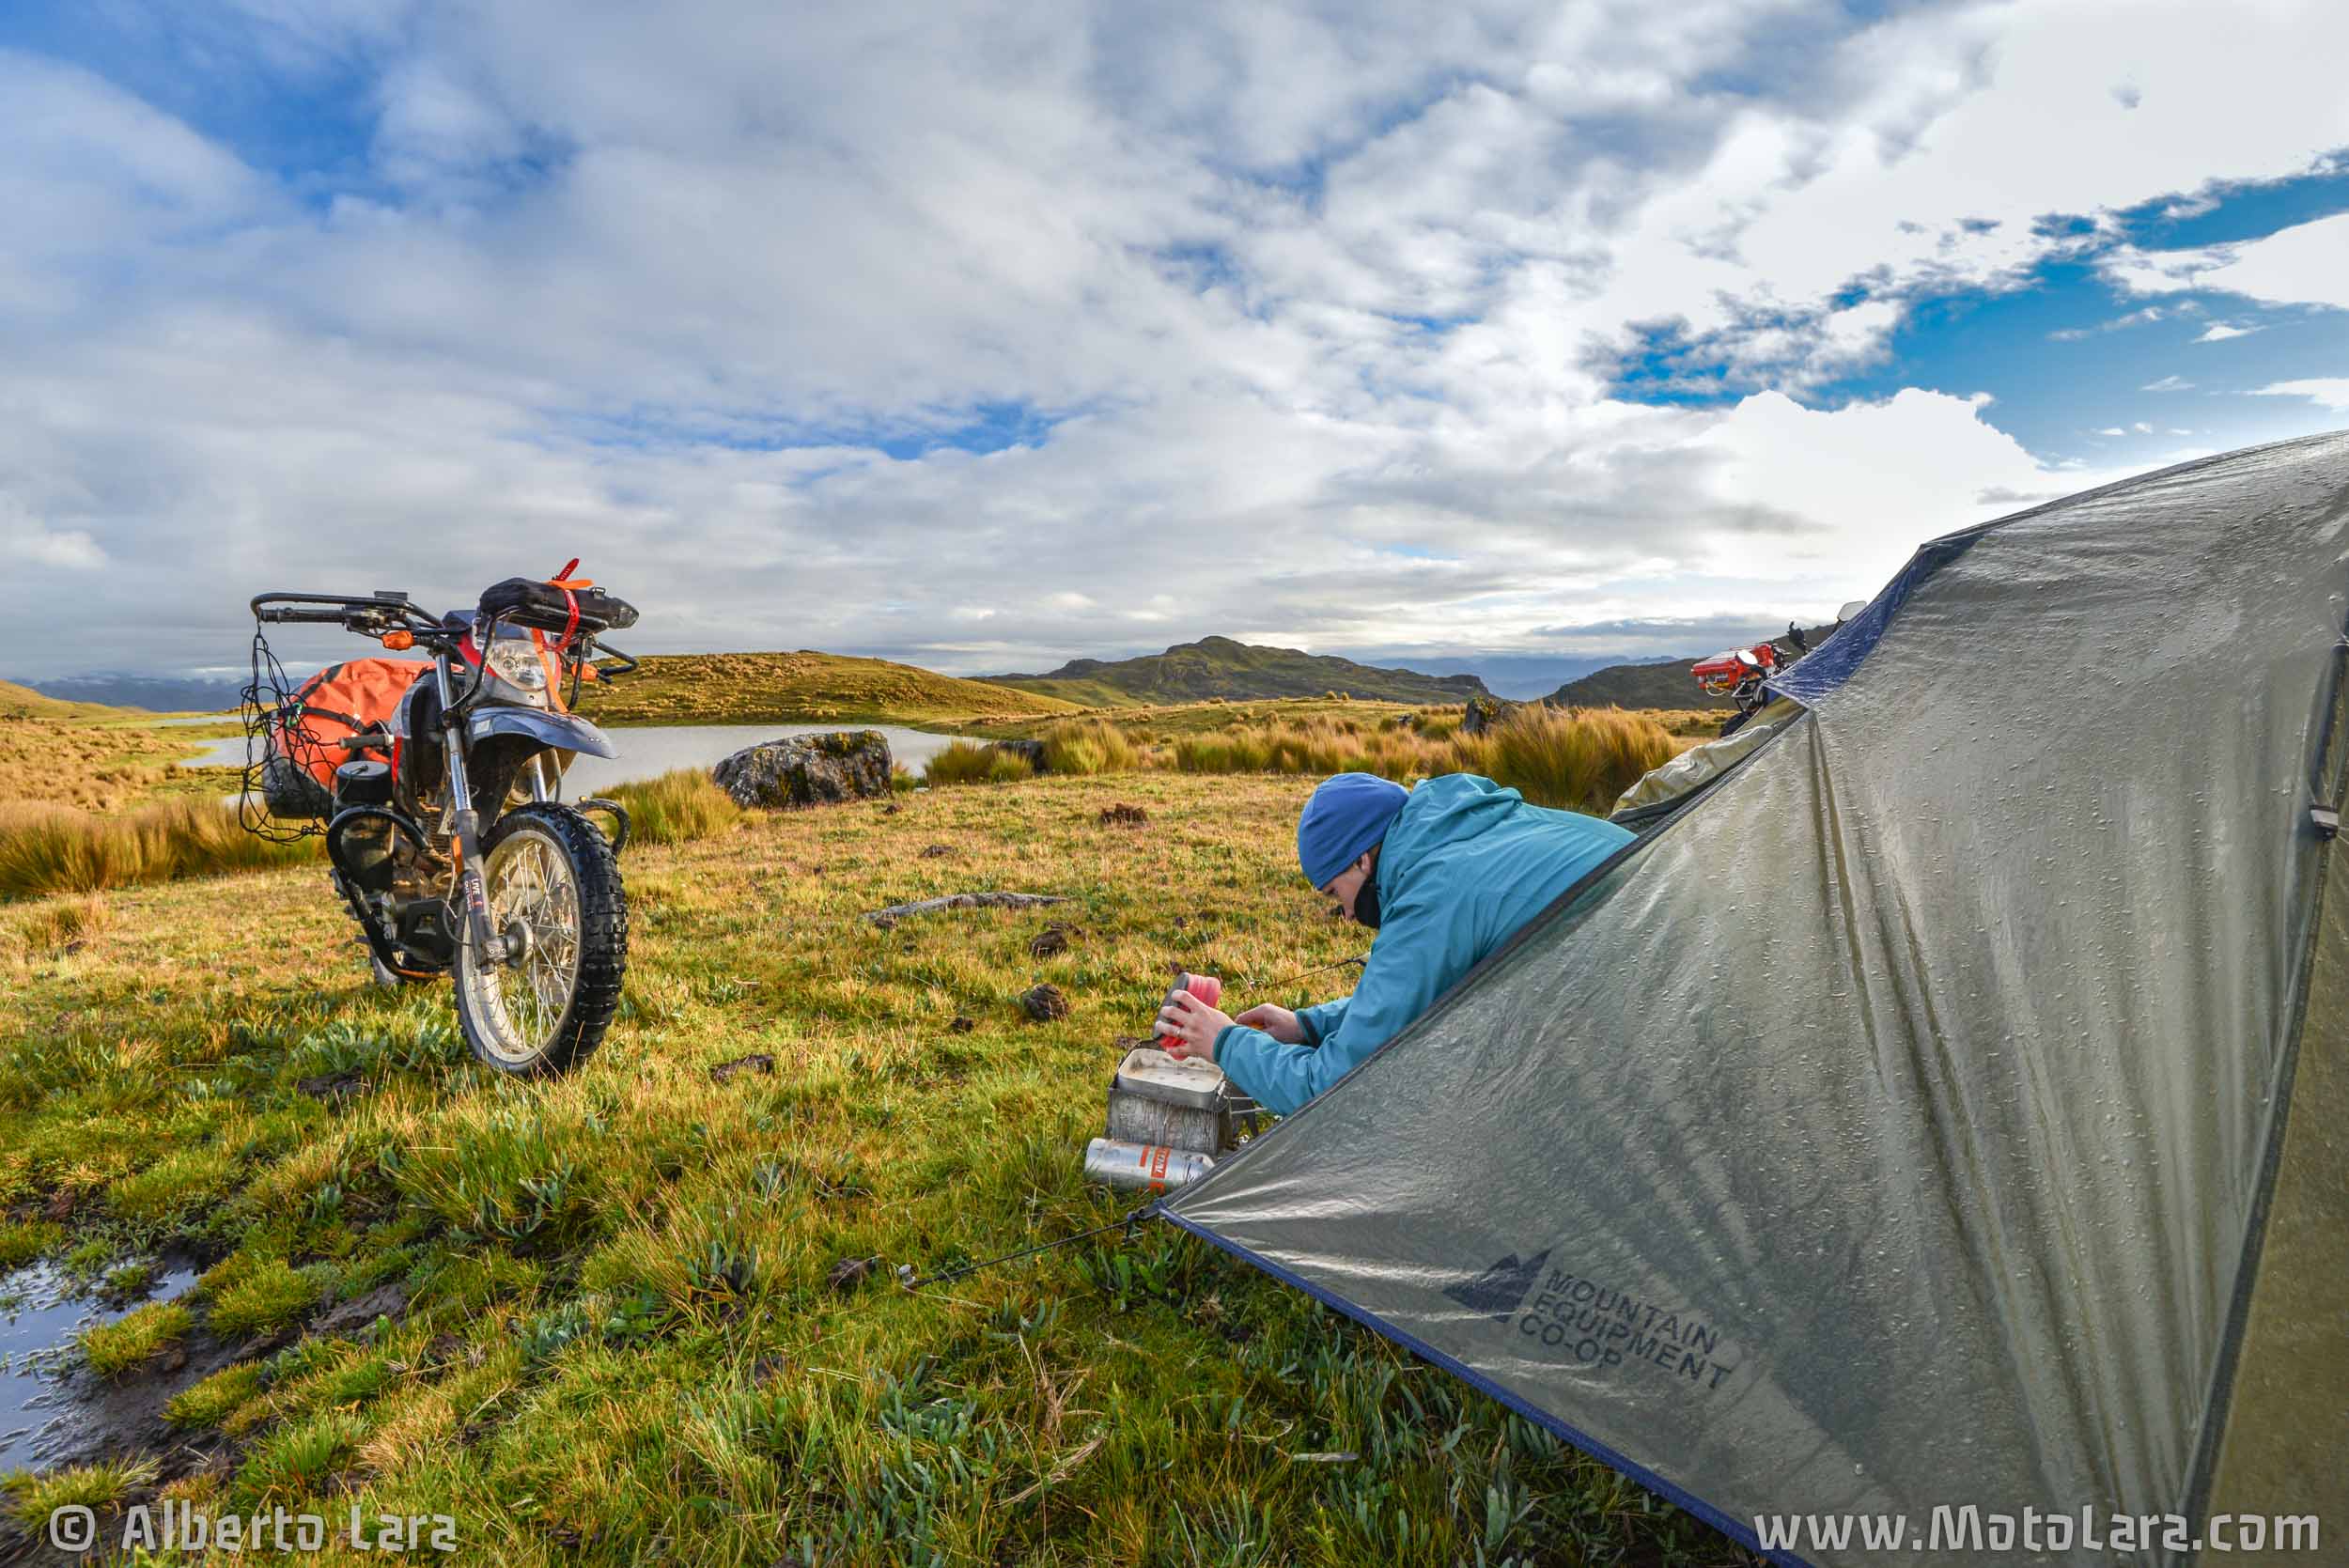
(1944, 1107)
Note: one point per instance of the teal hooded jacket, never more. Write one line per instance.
(1465, 865)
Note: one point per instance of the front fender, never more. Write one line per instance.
(564, 732)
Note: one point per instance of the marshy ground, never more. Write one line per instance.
(607, 1319)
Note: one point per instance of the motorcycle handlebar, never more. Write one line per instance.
(374, 612)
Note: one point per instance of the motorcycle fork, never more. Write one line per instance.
(471, 890)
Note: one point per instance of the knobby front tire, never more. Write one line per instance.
(549, 872)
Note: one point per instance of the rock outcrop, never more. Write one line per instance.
(808, 770)
(1486, 713)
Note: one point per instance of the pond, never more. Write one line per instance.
(648, 751)
(40, 1315)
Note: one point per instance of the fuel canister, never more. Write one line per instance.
(1148, 1167)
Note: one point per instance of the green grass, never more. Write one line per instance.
(1157, 725)
(1579, 759)
(268, 1294)
(621, 1344)
(678, 807)
(22, 1240)
(1576, 758)
(966, 762)
(114, 1349)
(32, 1498)
(48, 849)
(1078, 748)
(215, 1399)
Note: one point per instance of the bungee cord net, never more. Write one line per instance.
(279, 798)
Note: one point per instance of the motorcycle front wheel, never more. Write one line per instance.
(554, 895)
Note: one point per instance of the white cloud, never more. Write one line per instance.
(2333, 393)
(25, 541)
(2306, 264)
(1318, 306)
(2168, 383)
(2219, 331)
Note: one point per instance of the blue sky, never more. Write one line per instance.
(2067, 356)
(1510, 338)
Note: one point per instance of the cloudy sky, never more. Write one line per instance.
(1477, 335)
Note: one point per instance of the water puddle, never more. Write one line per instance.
(41, 1311)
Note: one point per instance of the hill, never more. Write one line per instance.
(1219, 667)
(754, 688)
(22, 701)
(1659, 683)
(1655, 682)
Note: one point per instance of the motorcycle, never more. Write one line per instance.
(1741, 675)
(444, 831)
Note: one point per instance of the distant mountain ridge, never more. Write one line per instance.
(1222, 667)
(22, 701)
(1655, 682)
(155, 693)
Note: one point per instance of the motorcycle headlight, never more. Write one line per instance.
(515, 663)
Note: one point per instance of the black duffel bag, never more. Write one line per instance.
(528, 602)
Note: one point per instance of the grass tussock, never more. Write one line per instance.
(215, 1399)
(114, 1349)
(52, 850)
(1579, 759)
(676, 808)
(974, 762)
(260, 1296)
(1576, 758)
(33, 1497)
(1078, 748)
(22, 1240)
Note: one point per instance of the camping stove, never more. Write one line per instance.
(1168, 1121)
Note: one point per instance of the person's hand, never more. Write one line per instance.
(1190, 1026)
(1279, 1022)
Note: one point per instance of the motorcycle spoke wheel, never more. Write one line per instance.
(552, 888)
(532, 892)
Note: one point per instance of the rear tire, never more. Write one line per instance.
(552, 875)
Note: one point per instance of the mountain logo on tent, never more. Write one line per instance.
(1497, 1292)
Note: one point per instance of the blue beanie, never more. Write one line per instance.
(1347, 814)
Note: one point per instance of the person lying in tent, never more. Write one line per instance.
(1446, 872)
